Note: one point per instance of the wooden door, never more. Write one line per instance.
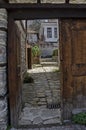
(29, 58)
(73, 64)
(14, 72)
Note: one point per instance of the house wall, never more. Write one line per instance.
(32, 38)
(3, 70)
(46, 39)
(47, 45)
(47, 49)
(43, 30)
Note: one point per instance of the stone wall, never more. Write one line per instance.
(3, 61)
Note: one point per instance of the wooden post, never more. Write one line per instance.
(29, 58)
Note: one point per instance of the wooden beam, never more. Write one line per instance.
(38, 1)
(67, 1)
(43, 5)
(3, 1)
(42, 11)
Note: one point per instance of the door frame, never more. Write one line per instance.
(42, 11)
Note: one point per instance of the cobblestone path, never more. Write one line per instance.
(43, 93)
(46, 87)
(67, 127)
(36, 96)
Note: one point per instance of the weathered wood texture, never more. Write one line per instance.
(14, 74)
(3, 1)
(73, 61)
(45, 11)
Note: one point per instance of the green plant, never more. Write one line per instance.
(55, 52)
(35, 51)
(8, 127)
(80, 118)
(28, 79)
(56, 70)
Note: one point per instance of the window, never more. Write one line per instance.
(55, 32)
(49, 32)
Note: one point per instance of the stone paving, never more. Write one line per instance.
(45, 91)
(63, 127)
(35, 115)
(46, 86)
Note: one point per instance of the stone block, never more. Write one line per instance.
(3, 37)
(3, 126)
(3, 18)
(37, 120)
(53, 121)
(2, 54)
(2, 74)
(3, 88)
(3, 111)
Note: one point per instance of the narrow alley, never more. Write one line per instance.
(42, 98)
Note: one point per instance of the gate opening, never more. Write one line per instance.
(38, 56)
(72, 35)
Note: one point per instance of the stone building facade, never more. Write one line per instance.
(49, 37)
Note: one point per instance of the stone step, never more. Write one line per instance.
(78, 110)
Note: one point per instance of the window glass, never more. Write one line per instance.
(49, 32)
(55, 32)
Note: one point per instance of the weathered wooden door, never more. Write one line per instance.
(73, 64)
(14, 72)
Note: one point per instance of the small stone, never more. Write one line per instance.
(52, 121)
(42, 99)
(37, 120)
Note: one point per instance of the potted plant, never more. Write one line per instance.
(36, 54)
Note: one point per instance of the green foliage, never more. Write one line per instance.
(35, 25)
(55, 52)
(9, 127)
(56, 70)
(80, 118)
(28, 79)
(35, 51)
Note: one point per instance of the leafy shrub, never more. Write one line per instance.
(55, 52)
(28, 79)
(9, 127)
(35, 51)
(80, 118)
